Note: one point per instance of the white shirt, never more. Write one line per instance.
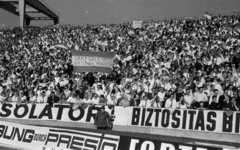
(41, 99)
(15, 99)
(144, 103)
(171, 103)
(64, 82)
(48, 93)
(168, 86)
(219, 88)
(161, 95)
(184, 106)
(188, 98)
(67, 92)
(95, 100)
(147, 89)
(111, 101)
(71, 99)
(24, 98)
(33, 99)
(155, 104)
(89, 101)
(99, 92)
(200, 97)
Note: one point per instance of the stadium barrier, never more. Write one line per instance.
(174, 122)
(46, 138)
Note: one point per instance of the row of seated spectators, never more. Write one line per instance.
(178, 63)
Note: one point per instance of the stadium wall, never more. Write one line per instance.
(206, 125)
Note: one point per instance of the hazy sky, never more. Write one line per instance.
(113, 11)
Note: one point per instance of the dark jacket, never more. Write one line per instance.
(214, 106)
(102, 119)
(230, 106)
(53, 99)
(221, 101)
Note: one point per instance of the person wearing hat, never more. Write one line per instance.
(102, 119)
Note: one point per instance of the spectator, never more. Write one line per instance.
(72, 98)
(86, 100)
(145, 102)
(213, 104)
(188, 98)
(102, 100)
(123, 101)
(102, 119)
(199, 96)
(182, 104)
(62, 98)
(22, 97)
(155, 102)
(52, 98)
(42, 98)
(95, 99)
(216, 95)
(33, 97)
(231, 105)
(15, 97)
(171, 102)
(162, 58)
(111, 99)
(223, 99)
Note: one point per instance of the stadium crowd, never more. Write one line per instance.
(178, 63)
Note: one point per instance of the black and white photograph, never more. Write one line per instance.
(119, 74)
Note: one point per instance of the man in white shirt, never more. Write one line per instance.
(161, 94)
(200, 96)
(100, 90)
(48, 93)
(188, 97)
(171, 102)
(147, 87)
(72, 98)
(95, 99)
(87, 101)
(145, 102)
(111, 99)
(67, 92)
(42, 98)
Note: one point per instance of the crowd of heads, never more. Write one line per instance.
(179, 63)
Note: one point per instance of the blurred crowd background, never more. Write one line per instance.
(177, 63)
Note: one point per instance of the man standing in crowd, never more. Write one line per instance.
(102, 119)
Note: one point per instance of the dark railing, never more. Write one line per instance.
(49, 7)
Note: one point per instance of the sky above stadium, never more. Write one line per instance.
(78, 12)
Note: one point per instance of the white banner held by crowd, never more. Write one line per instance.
(137, 24)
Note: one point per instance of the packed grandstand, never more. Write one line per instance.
(178, 63)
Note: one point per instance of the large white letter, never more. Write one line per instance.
(133, 144)
(144, 145)
(201, 149)
(164, 146)
(185, 147)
